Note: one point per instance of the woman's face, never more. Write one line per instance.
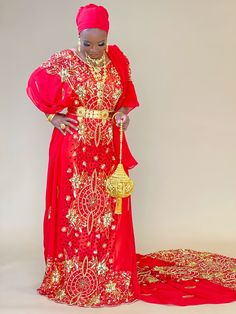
(93, 42)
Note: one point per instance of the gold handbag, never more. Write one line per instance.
(119, 185)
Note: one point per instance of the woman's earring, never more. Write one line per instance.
(107, 48)
(78, 48)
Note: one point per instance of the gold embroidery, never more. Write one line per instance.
(92, 206)
(107, 219)
(94, 300)
(116, 95)
(193, 265)
(151, 279)
(64, 74)
(85, 281)
(82, 281)
(82, 133)
(76, 180)
(111, 287)
(81, 91)
(60, 294)
(69, 264)
(102, 268)
(55, 276)
(97, 135)
(72, 217)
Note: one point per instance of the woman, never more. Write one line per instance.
(89, 249)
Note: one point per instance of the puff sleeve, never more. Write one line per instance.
(47, 86)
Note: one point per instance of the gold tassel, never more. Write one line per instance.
(118, 209)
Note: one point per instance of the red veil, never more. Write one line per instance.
(128, 99)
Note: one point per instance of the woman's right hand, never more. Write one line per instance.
(61, 119)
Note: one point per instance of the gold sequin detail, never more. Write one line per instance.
(192, 265)
(84, 281)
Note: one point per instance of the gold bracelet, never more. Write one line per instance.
(50, 117)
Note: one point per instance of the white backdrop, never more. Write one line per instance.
(182, 54)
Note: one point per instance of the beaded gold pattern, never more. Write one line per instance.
(187, 264)
(86, 282)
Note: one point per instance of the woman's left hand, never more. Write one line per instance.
(121, 116)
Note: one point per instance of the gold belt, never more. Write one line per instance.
(83, 112)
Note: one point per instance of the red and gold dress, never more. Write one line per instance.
(89, 250)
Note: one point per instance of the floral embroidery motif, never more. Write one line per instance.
(64, 74)
(92, 205)
(86, 282)
(111, 287)
(81, 91)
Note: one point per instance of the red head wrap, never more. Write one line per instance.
(92, 16)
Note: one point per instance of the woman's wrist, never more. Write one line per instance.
(124, 110)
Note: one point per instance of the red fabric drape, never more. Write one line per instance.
(128, 99)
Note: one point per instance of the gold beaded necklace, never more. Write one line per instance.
(99, 78)
(97, 62)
